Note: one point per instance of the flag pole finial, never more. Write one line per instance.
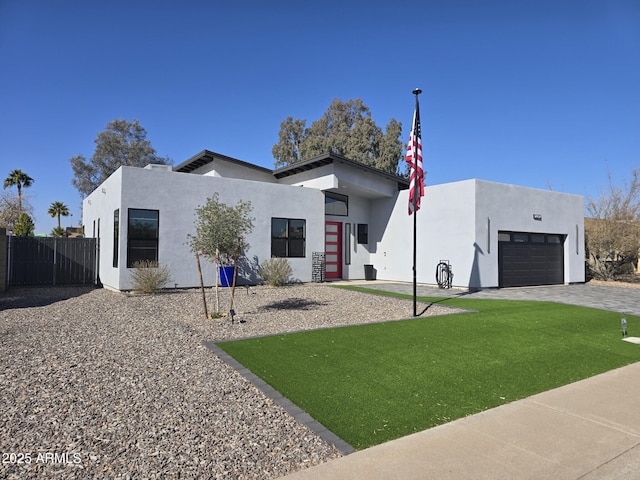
(417, 91)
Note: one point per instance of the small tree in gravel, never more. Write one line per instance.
(221, 232)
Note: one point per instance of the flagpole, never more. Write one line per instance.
(416, 194)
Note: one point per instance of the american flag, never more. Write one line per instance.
(414, 159)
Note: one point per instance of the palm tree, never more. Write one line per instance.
(17, 178)
(57, 209)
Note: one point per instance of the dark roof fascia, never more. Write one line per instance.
(329, 158)
(206, 156)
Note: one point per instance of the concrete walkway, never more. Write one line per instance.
(589, 430)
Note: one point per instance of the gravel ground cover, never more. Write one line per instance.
(101, 384)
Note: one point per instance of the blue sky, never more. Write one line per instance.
(544, 94)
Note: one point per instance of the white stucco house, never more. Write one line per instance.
(330, 216)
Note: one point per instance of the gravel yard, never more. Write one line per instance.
(95, 383)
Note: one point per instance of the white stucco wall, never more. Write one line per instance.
(363, 181)
(322, 178)
(98, 217)
(512, 208)
(460, 221)
(223, 168)
(176, 195)
(445, 231)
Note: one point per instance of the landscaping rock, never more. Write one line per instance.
(96, 383)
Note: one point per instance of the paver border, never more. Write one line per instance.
(291, 408)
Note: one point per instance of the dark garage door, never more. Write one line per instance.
(530, 259)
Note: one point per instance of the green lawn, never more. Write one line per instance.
(373, 383)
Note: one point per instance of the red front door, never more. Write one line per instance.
(333, 249)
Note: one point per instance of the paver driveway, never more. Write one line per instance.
(614, 298)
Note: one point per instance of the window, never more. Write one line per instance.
(537, 238)
(142, 239)
(116, 231)
(363, 233)
(347, 244)
(288, 237)
(521, 237)
(336, 204)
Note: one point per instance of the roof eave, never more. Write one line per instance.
(328, 158)
(207, 156)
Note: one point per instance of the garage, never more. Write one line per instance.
(527, 259)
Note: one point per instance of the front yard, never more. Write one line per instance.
(373, 383)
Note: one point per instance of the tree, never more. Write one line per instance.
(24, 227)
(221, 232)
(10, 209)
(122, 143)
(57, 232)
(290, 136)
(345, 129)
(391, 149)
(612, 229)
(17, 178)
(221, 229)
(56, 209)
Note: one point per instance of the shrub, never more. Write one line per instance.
(149, 276)
(276, 271)
(24, 227)
(57, 232)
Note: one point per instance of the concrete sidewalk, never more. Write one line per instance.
(587, 430)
